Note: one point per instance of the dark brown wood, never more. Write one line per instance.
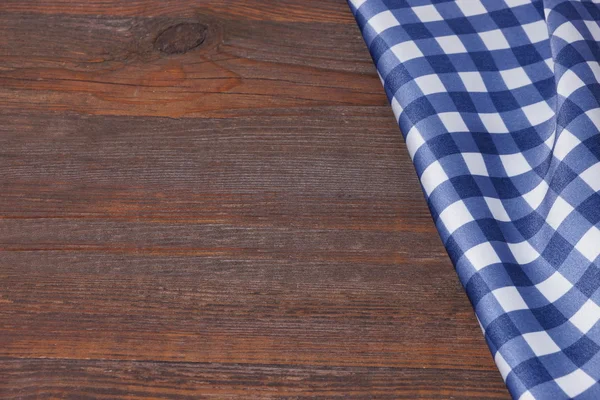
(108, 65)
(180, 38)
(143, 380)
(218, 213)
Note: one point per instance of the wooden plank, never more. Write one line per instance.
(316, 168)
(143, 380)
(238, 221)
(109, 66)
(322, 11)
(301, 211)
(255, 240)
(215, 306)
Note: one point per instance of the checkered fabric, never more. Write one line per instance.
(499, 104)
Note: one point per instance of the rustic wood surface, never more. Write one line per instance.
(210, 199)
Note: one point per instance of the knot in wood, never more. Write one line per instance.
(180, 38)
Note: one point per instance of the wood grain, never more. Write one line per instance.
(240, 221)
(108, 65)
(322, 11)
(143, 380)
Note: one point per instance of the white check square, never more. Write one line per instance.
(396, 109)
(515, 164)
(451, 44)
(568, 32)
(510, 299)
(515, 78)
(538, 113)
(527, 396)
(432, 177)
(406, 51)
(453, 122)
(516, 3)
(456, 215)
(475, 164)
(430, 84)
(575, 383)
(589, 244)
(587, 316)
(383, 21)
(471, 7)
(536, 31)
(502, 365)
(427, 13)
(414, 141)
(523, 252)
(536, 196)
(594, 29)
(482, 255)
(497, 209)
(494, 40)
(473, 82)
(591, 176)
(565, 143)
(357, 3)
(541, 343)
(569, 82)
(555, 287)
(493, 122)
(559, 211)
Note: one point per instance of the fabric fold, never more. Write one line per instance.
(499, 105)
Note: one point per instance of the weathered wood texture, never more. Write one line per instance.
(238, 221)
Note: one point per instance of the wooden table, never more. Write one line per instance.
(211, 199)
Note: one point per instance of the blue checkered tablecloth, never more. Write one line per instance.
(499, 104)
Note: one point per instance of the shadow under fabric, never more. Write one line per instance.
(499, 105)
